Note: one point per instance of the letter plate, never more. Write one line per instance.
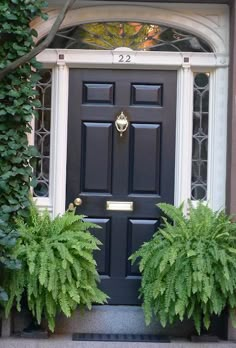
(122, 206)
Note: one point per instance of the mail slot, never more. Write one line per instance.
(120, 206)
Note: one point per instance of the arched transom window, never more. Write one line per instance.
(137, 36)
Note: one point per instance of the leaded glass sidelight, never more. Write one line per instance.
(137, 36)
(42, 134)
(200, 136)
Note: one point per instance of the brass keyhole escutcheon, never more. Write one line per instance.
(121, 123)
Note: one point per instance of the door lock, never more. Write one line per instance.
(77, 202)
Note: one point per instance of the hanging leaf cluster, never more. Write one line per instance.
(58, 270)
(18, 100)
(189, 266)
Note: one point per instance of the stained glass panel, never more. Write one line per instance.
(137, 36)
(42, 134)
(200, 136)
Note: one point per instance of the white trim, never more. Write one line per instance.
(211, 25)
(43, 203)
(217, 139)
(140, 59)
(183, 150)
(59, 141)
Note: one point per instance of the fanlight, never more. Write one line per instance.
(137, 36)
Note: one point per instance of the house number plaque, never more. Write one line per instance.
(120, 57)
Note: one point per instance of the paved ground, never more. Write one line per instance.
(65, 342)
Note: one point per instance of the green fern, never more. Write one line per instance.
(188, 268)
(58, 269)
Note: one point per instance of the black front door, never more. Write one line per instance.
(137, 167)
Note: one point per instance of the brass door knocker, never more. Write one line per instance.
(121, 123)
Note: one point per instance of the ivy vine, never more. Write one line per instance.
(18, 101)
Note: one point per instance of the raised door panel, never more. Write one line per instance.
(139, 231)
(102, 256)
(96, 169)
(98, 93)
(145, 151)
(146, 94)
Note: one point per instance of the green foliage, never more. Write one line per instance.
(17, 105)
(8, 238)
(189, 267)
(58, 270)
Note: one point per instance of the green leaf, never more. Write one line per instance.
(34, 182)
(14, 93)
(10, 16)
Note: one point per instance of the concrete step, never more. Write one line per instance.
(117, 320)
(65, 342)
(110, 320)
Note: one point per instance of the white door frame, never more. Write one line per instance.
(186, 64)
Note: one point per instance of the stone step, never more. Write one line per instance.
(113, 320)
(117, 320)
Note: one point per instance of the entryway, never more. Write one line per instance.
(120, 177)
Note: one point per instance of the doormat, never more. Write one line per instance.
(32, 334)
(119, 337)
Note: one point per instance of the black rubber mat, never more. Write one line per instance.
(119, 337)
(204, 338)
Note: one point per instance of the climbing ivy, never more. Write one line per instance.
(18, 100)
(8, 237)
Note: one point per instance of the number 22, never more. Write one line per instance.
(124, 59)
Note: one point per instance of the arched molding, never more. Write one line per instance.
(201, 26)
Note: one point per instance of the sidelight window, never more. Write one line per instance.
(42, 128)
(200, 136)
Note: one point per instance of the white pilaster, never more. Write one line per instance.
(184, 122)
(59, 138)
(217, 139)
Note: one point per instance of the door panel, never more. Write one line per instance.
(96, 136)
(139, 231)
(145, 170)
(146, 95)
(137, 167)
(104, 235)
(95, 93)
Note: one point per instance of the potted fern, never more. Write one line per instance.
(189, 266)
(58, 271)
